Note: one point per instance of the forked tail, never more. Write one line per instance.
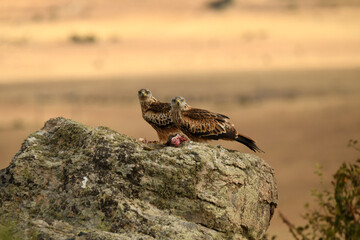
(248, 142)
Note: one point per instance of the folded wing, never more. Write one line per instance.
(206, 124)
(159, 114)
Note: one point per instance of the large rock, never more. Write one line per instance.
(69, 181)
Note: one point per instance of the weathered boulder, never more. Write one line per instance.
(70, 181)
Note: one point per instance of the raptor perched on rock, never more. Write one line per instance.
(157, 114)
(201, 125)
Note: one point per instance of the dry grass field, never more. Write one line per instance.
(287, 75)
(42, 40)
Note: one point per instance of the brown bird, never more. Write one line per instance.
(201, 125)
(157, 114)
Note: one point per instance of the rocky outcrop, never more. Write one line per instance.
(70, 181)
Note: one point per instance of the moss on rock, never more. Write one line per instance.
(69, 180)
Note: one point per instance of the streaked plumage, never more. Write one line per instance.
(201, 125)
(157, 114)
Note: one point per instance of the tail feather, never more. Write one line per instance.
(248, 142)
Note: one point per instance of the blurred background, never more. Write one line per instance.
(287, 73)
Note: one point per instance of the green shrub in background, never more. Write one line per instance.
(337, 216)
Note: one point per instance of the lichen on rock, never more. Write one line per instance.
(70, 181)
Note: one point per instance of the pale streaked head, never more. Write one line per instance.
(178, 103)
(144, 94)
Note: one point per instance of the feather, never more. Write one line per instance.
(157, 114)
(202, 125)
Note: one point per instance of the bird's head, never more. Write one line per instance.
(144, 94)
(178, 103)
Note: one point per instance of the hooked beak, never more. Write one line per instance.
(178, 102)
(142, 94)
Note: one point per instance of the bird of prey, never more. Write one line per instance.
(201, 125)
(157, 114)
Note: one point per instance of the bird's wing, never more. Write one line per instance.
(159, 114)
(204, 123)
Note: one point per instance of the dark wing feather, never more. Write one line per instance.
(196, 113)
(159, 114)
(202, 123)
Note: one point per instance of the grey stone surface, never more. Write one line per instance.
(70, 181)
